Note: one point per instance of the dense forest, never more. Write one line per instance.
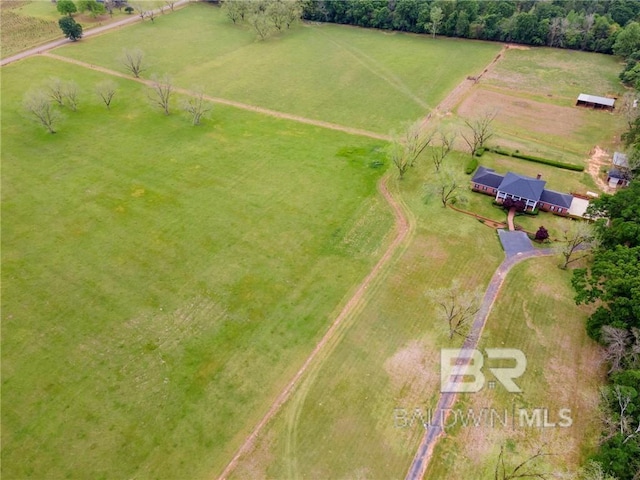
(612, 282)
(591, 25)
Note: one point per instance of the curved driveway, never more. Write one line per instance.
(447, 400)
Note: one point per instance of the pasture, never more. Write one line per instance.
(163, 282)
(360, 78)
(533, 93)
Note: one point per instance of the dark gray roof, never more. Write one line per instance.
(556, 198)
(615, 173)
(487, 176)
(521, 186)
(608, 102)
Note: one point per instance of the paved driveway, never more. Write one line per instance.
(515, 242)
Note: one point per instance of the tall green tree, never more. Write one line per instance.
(66, 7)
(435, 17)
(628, 40)
(71, 29)
(620, 222)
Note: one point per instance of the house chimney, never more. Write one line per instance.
(539, 176)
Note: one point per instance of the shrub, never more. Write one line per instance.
(479, 152)
(542, 234)
(532, 158)
(129, 10)
(471, 166)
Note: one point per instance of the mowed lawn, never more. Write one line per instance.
(163, 282)
(535, 313)
(355, 77)
(340, 422)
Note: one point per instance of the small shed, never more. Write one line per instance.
(593, 101)
(620, 161)
(618, 178)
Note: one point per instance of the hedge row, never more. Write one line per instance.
(531, 158)
(471, 165)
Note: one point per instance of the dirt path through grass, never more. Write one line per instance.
(458, 93)
(224, 101)
(598, 160)
(89, 33)
(402, 227)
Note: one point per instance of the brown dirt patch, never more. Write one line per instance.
(599, 158)
(412, 371)
(522, 113)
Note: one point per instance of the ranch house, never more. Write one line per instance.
(519, 187)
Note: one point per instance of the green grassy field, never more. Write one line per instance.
(360, 78)
(161, 281)
(534, 93)
(555, 75)
(536, 314)
(340, 423)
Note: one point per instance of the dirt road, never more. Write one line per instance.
(89, 33)
(402, 229)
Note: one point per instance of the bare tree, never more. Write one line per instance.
(70, 93)
(151, 14)
(557, 31)
(579, 236)
(276, 12)
(196, 106)
(293, 13)
(629, 108)
(457, 307)
(618, 416)
(440, 151)
(395, 151)
(260, 23)
(405, 148)
(56, 90)
(617, 341)
(593, 471)
(162, 89)
(171, 4)
(133, 60)
(236, 10)
(481, 131)
(448, 186)
(141, 12)
(526, 469)
(38, 105)
(106, 91)
(415, 141)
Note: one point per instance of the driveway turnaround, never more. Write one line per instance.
(515, 242)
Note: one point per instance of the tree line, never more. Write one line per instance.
(590, 25)
(612, 283)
